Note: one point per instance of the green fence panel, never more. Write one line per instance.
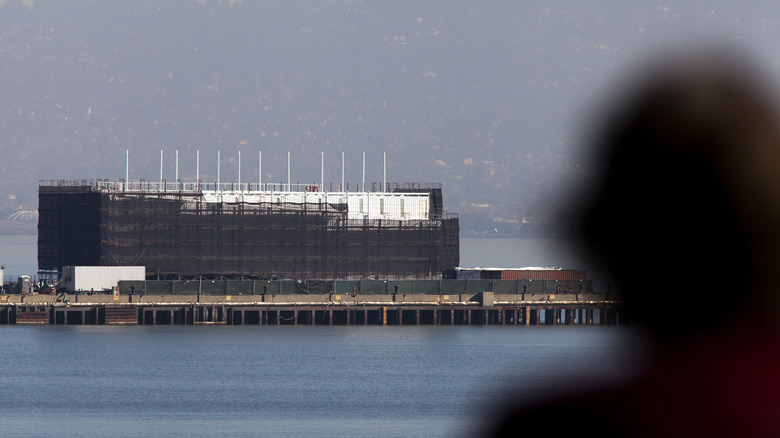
(532, 286)
(428, 287)
(506, 286)
(127, 287)
(587, 287)
(571, 287)
(313, 287)
(159, 287)
(238, 287)
(342, 287)
(185, 287)
(475, 286)
(287, 287)
(213, 287)
(563, 287)
(266, 287)
(452, 287)
(400, 286)
(373, 287)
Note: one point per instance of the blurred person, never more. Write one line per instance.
(685, 217)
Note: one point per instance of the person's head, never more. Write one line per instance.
(686, 211)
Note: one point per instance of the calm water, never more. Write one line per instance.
(96, 381)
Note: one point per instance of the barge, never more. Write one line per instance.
(247, 230)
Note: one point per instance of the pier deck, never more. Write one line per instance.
(464, 309)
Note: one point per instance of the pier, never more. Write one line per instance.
(485, 308)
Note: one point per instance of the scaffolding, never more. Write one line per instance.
(194, 231)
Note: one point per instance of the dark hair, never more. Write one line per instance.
(673, 216)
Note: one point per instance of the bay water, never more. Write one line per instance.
(303, 381)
